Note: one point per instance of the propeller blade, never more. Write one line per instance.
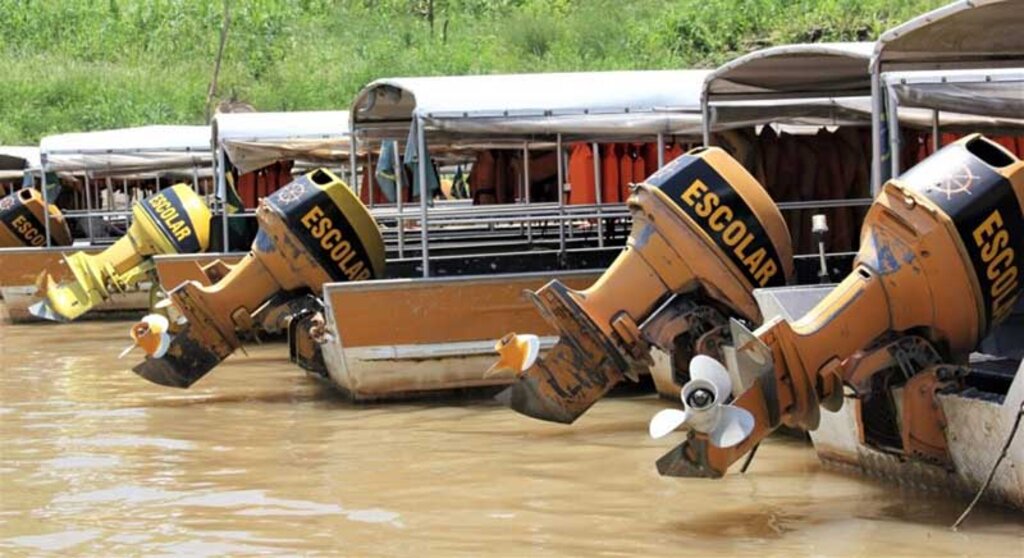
(163, 303)
(43, 310)
(157, 323)
(665, 422)
(517, 354)
(532, 350)
(126, 350)
(734, 425)
(703, 367)
(151, 335)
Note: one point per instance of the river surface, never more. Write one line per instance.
(258, 458)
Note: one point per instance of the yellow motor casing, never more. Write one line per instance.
(312, 231)
(23, 218)
(705, 234)
(172, 221)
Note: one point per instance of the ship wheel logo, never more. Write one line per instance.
(291, 193)
(956, 183)
(7, 203)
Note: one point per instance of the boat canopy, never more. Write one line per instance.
(16, 159)
(128, 151)
(253, 140)
(995, 93)
(993, 101)
(964, 34)
(583, 104)
(800, 84)
(790, 71)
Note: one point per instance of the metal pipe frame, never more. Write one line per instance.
(369, 183)
(88, 207)
(222, 194)
(895, 141)
(561, 190)
(399, 194)
(877, 107)
(46, 204)
(705, 117)
(596, 149)
(526, 186)
(352, 163)
(421, 168)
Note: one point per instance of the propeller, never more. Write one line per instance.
(517, 354)
(151, 334)
(704, 410)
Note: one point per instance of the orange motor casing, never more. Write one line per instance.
(703, 228)
(942, 252)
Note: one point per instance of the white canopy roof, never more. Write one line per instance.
(851, 111)
(998, 93)
(128, 150)
(791, 71)
(964, 34)
(18, 157)
(254, 140)
(585, 104)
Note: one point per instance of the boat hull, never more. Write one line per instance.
(976, 430)
(413, 337)
(20, 268)
(977, 425)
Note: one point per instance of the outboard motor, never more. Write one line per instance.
(312, 231)
(704, 235)
(172, 221)
(942, 250)
(23, 218)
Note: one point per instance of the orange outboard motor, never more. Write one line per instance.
(313, 231)
(705, 234)
(23, 218)
(940, 265)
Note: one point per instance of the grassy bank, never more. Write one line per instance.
(73, 65)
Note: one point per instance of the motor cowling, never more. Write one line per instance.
(172, 221)
(23, 221)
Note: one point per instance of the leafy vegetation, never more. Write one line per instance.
(73, 65)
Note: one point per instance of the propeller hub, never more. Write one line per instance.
(700, 398)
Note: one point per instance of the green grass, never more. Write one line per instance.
(70, 65)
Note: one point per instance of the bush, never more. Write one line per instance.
(73, 65)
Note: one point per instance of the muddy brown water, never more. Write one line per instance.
(257, 458)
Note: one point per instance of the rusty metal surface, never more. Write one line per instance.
(186, 362)
(579, 369)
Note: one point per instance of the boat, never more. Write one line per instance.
(478, 259)
(952, 421)
(402, 338)
(981, 417)
(103, 172)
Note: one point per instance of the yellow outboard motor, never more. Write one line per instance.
(704, 235)
(172, 221)
(940, 265)
(312, 231)
(23, 218)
